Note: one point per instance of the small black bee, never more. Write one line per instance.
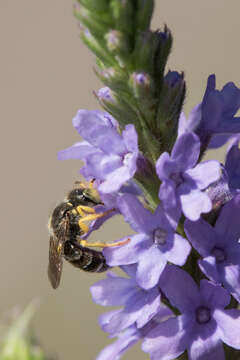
(67, 225)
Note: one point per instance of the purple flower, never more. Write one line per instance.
(203, 324)
(109, 156)
(153, 246)
(219, 246)
(132, 335)
(215, 115)
(182, 183)
(138, 306)
(232, 166)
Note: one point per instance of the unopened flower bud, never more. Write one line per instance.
(141, 84)
(117, 42)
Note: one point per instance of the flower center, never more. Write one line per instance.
(160, 236)
(177, 178)
(203, 315)
(219, 254)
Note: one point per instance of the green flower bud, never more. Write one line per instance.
(123, 12)
(95, 5)
(117, 43)
(101, 53)
(116, 79)
(169, 107)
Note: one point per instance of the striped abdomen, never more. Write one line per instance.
(84, 258)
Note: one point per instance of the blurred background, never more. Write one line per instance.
(46, 75)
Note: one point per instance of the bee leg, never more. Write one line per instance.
(103, 245)
(94, 216)
(83, 227)
(82, 209)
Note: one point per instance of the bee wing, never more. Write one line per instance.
(55, 261)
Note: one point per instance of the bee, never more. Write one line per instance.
(67, 225)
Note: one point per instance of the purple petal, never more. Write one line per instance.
(229, 323)
(94, 130)
(150, 267)
(166, 341)
(218, 140)
(115, 351)
(130, 138)
(205, 173)
(201, 235)
(212, 111)
(165, 166)
(227, 224)
(135, 214)
(230, 276)
(186, 150)
(167, 193)
(80, 150)
(209, 268)
(129, 253)
(214, 295)
(232, 166)
(115, 180)
(105, 319)
(194, 202)
(186, 297)
(179, 252)
(152, 305)
(100, 165)
(113, 291)
(209, 348)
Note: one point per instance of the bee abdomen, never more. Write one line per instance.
(84, 258)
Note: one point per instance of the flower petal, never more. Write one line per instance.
(186, 151)
(205, 173)
(214, 295)
(186, 297)
(91, 126)
(209, 348)
(166, 341)
(113, 291)
(129, 253)
(130, 138)
(179, 252)
(115, 180)
(135, 214)
(201, 235)
(229, 323)
(209, 267)
(150, 267)
(80, 150)
(115, 351)
(194, 202)
(227, 224)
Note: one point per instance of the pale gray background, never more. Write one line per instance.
(45, 76)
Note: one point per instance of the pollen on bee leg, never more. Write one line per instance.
(104, 245)
(82, 209)
(83, 226)
(95, 215)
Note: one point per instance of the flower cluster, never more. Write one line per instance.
(182, 289)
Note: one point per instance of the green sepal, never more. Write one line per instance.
(169, 108)
(123, 13)
(92, 21)
(100, 52)
(143, 55)
(118, 44)
(144, 14)
(119, 109)
(142, 86)
(115, 79)
(164, 40)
